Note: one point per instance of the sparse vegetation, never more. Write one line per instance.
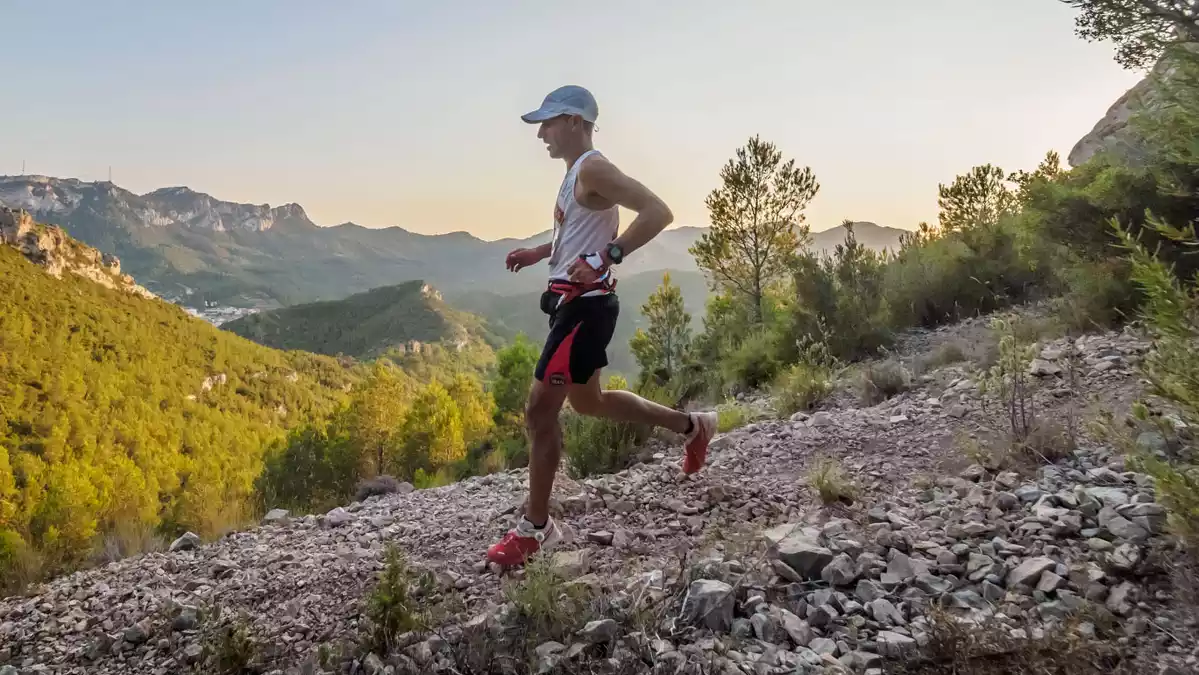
(883, 380)
(731, 416)
(392, 606)
(991, 648)
(808, 382)
(1008, 381)
(596, 445)
(547, 607)
(946, 353)
(830, 482)
(228, 648)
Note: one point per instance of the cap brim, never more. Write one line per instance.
(539, 115)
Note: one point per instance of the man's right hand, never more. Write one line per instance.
(523, 257)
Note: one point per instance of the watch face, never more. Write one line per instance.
(615, 253)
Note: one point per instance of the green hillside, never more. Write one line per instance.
(508, 315)
(121, 411)
(365, 325)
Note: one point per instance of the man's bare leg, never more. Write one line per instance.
(624, 406)
(545, 447)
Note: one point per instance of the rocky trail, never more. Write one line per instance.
(741, 567)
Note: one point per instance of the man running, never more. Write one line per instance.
(583, 309)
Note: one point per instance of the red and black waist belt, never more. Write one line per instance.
(569, 290)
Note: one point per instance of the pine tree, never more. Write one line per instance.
(660, 349)
(756, 222)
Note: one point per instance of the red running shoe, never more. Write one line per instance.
(696, 445)
(522, 542)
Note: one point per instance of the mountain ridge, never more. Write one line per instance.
(193, 249)
(398, 318)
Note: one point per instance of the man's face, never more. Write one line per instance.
(555, 132)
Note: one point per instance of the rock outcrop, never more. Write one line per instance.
(1112, 132)
(736, 570)
(51, 248)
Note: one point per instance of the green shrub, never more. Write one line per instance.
(1172, 370)
(731, 416)
(830, 482)
(1099, 295)
(945, 354)
(424, 480)
(392, 606)
(753, 363)
(943, 277)
(804, 385)
(597, 445)
(881, 381)
(839, 301)
(19, 564)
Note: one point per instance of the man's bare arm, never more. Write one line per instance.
(611, 183)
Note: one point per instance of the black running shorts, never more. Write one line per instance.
(578, 341)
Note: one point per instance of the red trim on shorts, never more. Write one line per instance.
(559, 363)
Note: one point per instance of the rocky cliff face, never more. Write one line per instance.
(51, 248)
(166, 207)
(1112, 132)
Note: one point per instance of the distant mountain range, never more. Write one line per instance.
(192, 248)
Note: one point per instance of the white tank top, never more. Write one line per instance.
(578, 230)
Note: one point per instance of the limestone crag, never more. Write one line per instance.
(742, 570)
(51, 248)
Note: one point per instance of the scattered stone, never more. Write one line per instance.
(1029, 571)
(840, 572)
(189, 541)
(601, 631)
(337, 517)
(709, 603)
(803, 554)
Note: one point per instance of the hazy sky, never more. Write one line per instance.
(391, 112)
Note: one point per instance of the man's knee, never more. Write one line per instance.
(541, 411)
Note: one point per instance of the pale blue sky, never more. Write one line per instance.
(390, 112)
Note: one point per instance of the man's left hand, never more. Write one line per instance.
(589, 268)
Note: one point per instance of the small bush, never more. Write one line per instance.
(425, 480)
(130, 538)
(227, 647)
(1098, 296)
(881, 381)
(596, 445)
(801, 387)
(989, 648)
(20, 565)
(753, 363)
(1008, 380)
(548, 608)
(379, 485)
(830, 482)
(731, 416)
(945, 354)
(391, 606)
(1046, 442)
(809, 381)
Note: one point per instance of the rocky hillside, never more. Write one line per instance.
(193, 248)
(53, 250)
(737, 570)
(365, 325)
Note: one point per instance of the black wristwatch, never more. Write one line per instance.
(615, 253)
